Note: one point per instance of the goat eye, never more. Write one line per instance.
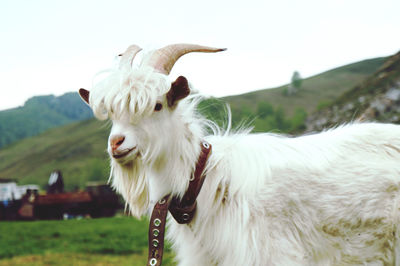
(158, 107)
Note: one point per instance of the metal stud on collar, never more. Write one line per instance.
(157, 222)
(153, 261)
(155, 243)
(161, 201)
(206, 145)
(185, 216)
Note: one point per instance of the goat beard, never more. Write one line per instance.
(130, 182)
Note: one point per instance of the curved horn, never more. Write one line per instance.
(164, 59)
(129, 55)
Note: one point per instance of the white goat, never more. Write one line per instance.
(326, 199)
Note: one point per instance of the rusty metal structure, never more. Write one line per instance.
(97, 200)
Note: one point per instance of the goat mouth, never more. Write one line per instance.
(118, 155)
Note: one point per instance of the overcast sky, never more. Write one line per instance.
(53, 47)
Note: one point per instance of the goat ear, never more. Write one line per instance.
(84, 95)
(179, 90)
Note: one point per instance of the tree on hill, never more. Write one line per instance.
(295, 84)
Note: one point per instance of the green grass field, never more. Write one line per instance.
(107, 241)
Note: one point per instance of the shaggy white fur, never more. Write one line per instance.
(331, 198)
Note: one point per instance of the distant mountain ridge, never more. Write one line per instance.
(40, 113)
(79, 149)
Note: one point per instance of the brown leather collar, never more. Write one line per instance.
(182, 210)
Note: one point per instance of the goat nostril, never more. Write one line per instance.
(116, 141)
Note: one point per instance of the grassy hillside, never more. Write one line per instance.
(315, 90)
(78, 149)
(275, 110)
(39, 114)
(377, 98)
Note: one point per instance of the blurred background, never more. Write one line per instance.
(291, 67)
